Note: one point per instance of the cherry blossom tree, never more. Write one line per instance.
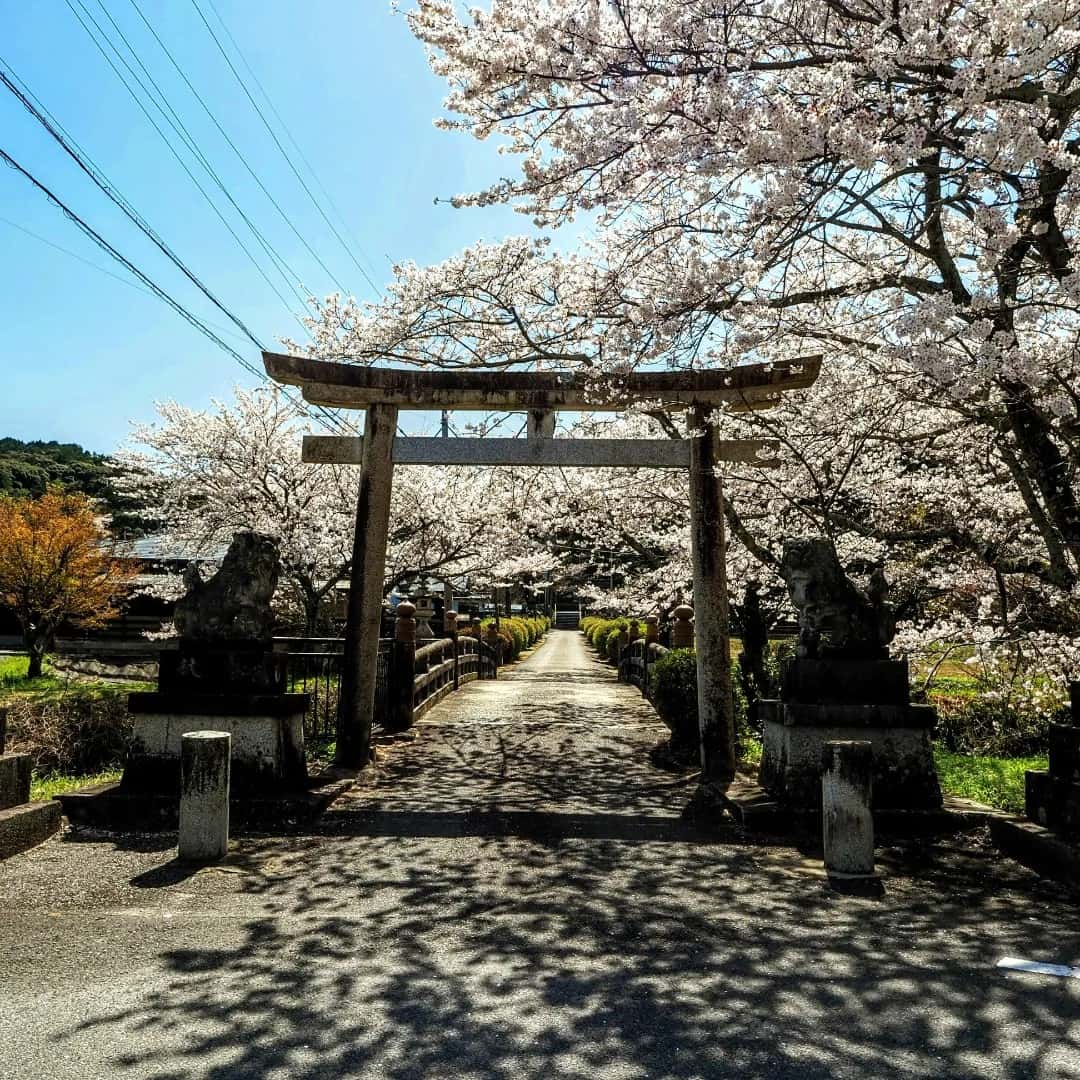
(893, 185)
(206, 474)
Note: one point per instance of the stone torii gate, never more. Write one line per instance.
(382, 392)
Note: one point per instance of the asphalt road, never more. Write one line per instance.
(514, 895)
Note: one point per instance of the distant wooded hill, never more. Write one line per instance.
(28, 468)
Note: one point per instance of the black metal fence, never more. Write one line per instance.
(314, 668)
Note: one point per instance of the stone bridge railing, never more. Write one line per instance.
(636, 655)
(636, 661)
(419, 677)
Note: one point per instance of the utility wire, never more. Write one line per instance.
(162, 104)
(101, 269)
(104, 244)
(179, 159)
(289, 135)
(102, 183)
(284, 152)
(331, 417)
(224, 134)
(156, 289)
(86, 163)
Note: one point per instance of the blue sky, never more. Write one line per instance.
(85, 353)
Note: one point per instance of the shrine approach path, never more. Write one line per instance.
(512, 893)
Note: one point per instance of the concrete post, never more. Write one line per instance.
(360, 669)
(716, 711)
(682, 628)
(403, 668)
(847, 823)
(451, 631)
(204, 795)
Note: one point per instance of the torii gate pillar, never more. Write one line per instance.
(359, 671)
(716, 714)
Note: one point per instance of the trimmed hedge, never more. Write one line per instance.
(673, 685)
(519, 632)
(603, 634)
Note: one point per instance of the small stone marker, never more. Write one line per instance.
(847, 823)
(204, 795)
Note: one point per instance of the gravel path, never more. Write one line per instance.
(513, 895)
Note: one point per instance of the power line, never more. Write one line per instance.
(277, 143)
(156, 289)
(128, 210)
(181, 162)
(100, 269)
(224, 134)
(288, 134)
(163, 106)
(104, 244)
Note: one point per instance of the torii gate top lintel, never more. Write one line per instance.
(339, 385)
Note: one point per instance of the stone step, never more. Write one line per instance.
(111, 806)
(1045, 851)
(14, 780)
(26, 826)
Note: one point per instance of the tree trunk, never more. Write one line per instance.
(35, 646)
(311, 615)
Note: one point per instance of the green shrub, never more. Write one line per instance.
(970, 722)
(674, 693)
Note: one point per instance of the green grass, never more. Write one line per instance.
(13, 678)
(997, 782)
(749, 751)
(994, 781)
(14, 683)
(45, 787)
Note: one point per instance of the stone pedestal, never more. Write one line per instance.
(828, 700)
(1053, 794)
(235, 688)
(267, 732)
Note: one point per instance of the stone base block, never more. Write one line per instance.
(794, 738)
(26, 826)
(1043, 850)
(267, 740)
(111, 806)
(14, 780)
(757, 811)
(1053, 802)
(834, 679)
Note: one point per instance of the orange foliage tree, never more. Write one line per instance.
(57, 564)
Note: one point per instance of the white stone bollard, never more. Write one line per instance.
(847, 823)
(204, 795)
